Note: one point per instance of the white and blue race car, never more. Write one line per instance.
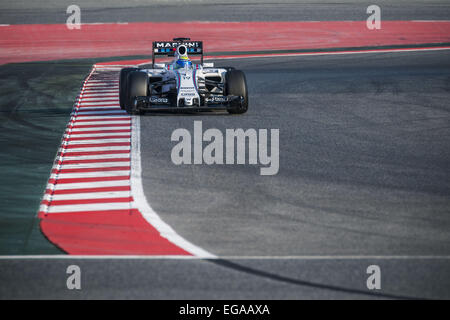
(182, 85)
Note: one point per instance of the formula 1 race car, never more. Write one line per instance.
(182, 85)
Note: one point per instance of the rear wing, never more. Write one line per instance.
(168, 48)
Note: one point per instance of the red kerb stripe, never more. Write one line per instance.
(101, 114)
(100, 131)
(89, 109)
(93, 160)
(100, 125)
(75, 170)
(92, 153)
(96, 138)
(96, 145)
(91, 105)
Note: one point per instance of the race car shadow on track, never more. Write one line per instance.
(240, 267)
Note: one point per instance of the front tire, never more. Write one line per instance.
(236, 85)
(137, 87)
(123, 86)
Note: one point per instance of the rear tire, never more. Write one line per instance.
(236, 85)
(137, 87)
(123, 86)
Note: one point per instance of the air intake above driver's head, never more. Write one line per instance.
(182, 50)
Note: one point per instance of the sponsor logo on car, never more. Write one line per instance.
(176, 44)
(159, 100)
(219, 99)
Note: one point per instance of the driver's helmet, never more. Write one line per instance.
(182, 62)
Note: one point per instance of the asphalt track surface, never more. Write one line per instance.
(364, 175)
(364, 171)
(364, 161)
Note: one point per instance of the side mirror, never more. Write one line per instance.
(208, 65)
(159, 66)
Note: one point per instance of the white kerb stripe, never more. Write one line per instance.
(67, 156)
(97, 129)
(88, 123)
(92, 195)
(96, 174)
(97, 184)
(106, 99)
(89, 149)
(97, 141)
(125, 162)
(89, 207)
(108, 103)
(109, 91)
(93, 135)
(99, 112)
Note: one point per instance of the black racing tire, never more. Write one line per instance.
(137, 87)
(236, 85)
(123, 86)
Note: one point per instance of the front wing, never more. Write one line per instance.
(156, 103)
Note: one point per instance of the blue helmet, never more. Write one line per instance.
(183, 61)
